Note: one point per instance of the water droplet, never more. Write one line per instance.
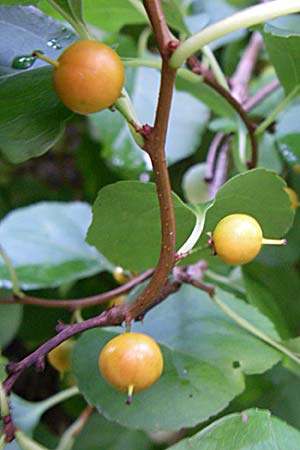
(23, 62)
(54, 43)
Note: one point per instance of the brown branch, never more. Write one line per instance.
(183, 276)
(80, 303)
(155, 146)
(159, 26)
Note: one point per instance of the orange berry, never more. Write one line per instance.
(89, 76)
(131, 362)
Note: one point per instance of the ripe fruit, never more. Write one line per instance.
(88, 76)
(238, 238)
(60, 356)
(131, 362)
(116, 301)
(293, 197)
(120, 275)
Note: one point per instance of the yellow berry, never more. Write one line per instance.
(116, 301)
(131, 362)
(60, 356)
(238, 238)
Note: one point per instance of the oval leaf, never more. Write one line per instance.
(45, 243)
(126, 224)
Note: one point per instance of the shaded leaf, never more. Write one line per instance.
(283, 48)
(252, 429)
(45, 243)
(10, 320)
(32, 118)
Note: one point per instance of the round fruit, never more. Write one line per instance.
(88, 76)
(120, 275)
(238, 238)
(116, 301)
(131, 362)
(60, 356)
(293, 197)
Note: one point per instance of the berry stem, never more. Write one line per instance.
(130, 393)
(46, 59)
(274, 241)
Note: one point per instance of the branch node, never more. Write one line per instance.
(172, 45)
(11, 368)
(61, 326)
(9, 428)
(146, 131)
(40, 364)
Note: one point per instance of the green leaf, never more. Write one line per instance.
(268, 154)
(205, 354)
(283, 48)
(126, 224)
(120, 13)
(195, 325)
(32, 122)
(186, 113)
(209, 96)
(10, 320)
(45, 243)
(288, 136)
(280, 396)
(273, 290)
(113, 436)
(126, 12)
(18, 2)
(25, 29)
(32, 118)
(259, 193)
(174, 15)
(252, 429)
(71, 9)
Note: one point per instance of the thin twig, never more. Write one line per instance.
(211, 156)
(80, 303)
(261, 95)
(221, 170)
(242, 75)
